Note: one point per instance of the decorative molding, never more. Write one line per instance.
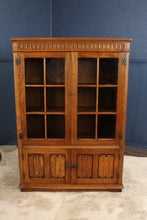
(71, 46)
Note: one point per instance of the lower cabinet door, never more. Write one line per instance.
(94, 166)
(46, 166)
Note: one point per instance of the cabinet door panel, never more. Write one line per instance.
(46, 166)
(45, 110)
(93, 166)
(96, 106)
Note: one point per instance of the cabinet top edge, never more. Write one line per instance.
(71, 44)
(70, 39)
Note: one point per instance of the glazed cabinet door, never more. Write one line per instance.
(97, 88)
(45, 88)
(46, 166)
(92, 166)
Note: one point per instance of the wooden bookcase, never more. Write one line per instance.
(71, 97)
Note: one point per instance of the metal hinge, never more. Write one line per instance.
(17, 61)
(119, 157)
(23, 156)
(120, 136)
(124, 61)
(23, 175)
(21, 135)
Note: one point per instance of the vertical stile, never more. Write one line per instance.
(97, 92)
(67, 97)
(119, 97)
(24, 94)
(45, 117)
(74, 84)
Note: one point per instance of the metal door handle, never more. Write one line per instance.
(68, 166)
(73, 166)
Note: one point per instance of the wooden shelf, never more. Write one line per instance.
(108, 86)
(40, 85)
(54, 85)
(55, 113)
(35, 113)
(107, 113)
(86, 85)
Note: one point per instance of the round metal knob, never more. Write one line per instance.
(73, 93)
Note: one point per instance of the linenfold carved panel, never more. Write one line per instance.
(106, 166)
(57, 166)
(36, 166)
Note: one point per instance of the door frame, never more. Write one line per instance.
(44, 55)
(74, 83)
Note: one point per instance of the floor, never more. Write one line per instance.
(135, 152)
(130, 204)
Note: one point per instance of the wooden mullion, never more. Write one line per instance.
(97, 82)
(96, 122)
(97, 93)
(45, 117)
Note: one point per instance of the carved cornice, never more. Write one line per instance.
(70, 45)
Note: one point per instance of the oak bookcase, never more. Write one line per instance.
(71, 98)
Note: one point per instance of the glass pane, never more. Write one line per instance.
(35, 126)
(86, 99)
(87, 70)
(108, 71)
(107, 99)
(86, 126)
(34, 99)
(55, 71)
(34, 71)
(106, 126)
(55, 99)
(56, 126)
